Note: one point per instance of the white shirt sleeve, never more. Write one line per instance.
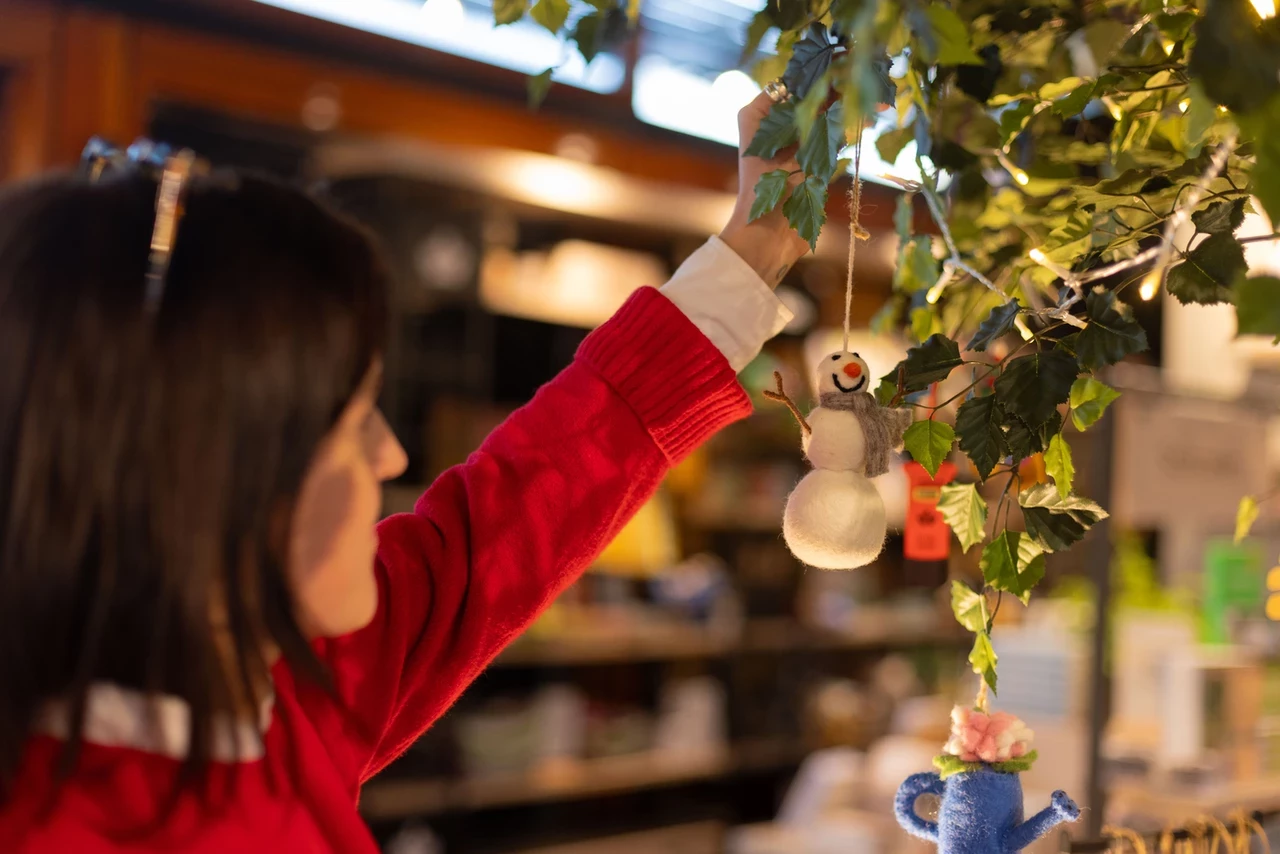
(727, 301)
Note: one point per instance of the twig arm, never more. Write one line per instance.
(780, 396)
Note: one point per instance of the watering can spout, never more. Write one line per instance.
(1061, 809)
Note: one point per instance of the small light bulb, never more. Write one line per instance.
(1021, 177)
(1222, 110)
(1114, 108)
(1265, 8)
(1023, 329)
(1184, 105)
(1037, 256)
(935, 294)
(1167, 44)
(1150, 284)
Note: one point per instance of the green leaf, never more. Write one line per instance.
(808, 108)
(951, 37)
(1200, 115)
(633, 11)
(978, 429)
(1089, 399)
(966, 512)
(1014, 117)
(508, 11)
(806, 210)
(929, 443)
(903, 215)
(788, 13)
(1031, 387)
(1055, 89)
(949, 766)
(588, 34)
(1264, 127)
(969, 607)
(809, 61)
(1209, 271)
(1220, 217)
(777, 131)
(998, 324)
(539, 85)
(924, 322)
(551, 14)
(929, 363)
(1075, 101)
(1105, 37)
(756, 31)
(770, 189)
(890, 143)
(1058, 463)
(1176, 25)
(1246, 515)
(1235, 61)
(1258, 306)
(821, 148)
(1054, 522)
(1023, 440)
(917, 268)
(1012, 563)
(1112, 332)
(1016, 766)
(966, 123)
(983, 659)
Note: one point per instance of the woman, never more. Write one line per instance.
(205, 642)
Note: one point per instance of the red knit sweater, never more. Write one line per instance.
(487, 548)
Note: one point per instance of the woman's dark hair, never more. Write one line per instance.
(148, 463)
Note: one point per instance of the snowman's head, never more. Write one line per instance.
(843, 373)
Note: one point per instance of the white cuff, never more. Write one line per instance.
(727, 301)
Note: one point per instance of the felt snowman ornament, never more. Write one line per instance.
(835, 517)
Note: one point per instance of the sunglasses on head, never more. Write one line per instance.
(172, 170)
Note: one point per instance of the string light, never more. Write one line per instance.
(1058, 270)
(1019, 175)
(1184, 105)
(1160, 256)
(935, 292)
(1150, 284)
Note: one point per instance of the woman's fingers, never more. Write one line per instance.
(750, 117)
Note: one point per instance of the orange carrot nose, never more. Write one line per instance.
(853, 370)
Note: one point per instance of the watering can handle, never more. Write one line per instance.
(904, 805)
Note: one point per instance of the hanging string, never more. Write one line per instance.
(855, 230)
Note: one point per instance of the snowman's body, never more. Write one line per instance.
(835, 517)
(836, 442)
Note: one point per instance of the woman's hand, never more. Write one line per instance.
(769, 244)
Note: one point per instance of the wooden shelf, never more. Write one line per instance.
(1175, 803)
(391, 800)
(759, 636)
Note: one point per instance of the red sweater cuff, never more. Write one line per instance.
(671, 375)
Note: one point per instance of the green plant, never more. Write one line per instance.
(1079, 139)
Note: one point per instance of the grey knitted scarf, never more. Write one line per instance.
(883, 428)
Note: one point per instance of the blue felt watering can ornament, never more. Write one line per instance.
(981, 795)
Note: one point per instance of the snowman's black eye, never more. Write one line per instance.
(856, 356)
(836, 357)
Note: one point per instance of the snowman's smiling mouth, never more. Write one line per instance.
(856, 386)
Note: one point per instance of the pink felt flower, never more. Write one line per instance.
(979, 737)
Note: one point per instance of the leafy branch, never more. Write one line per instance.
(1060, 150)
